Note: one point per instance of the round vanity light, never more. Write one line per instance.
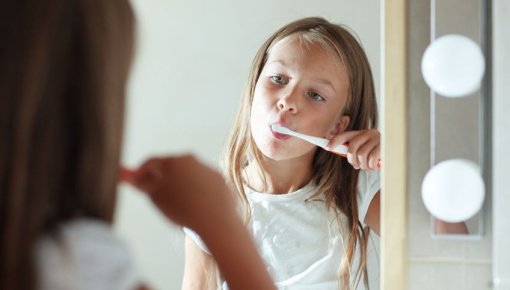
(453, 66)
(453, 190)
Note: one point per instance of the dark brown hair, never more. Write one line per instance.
(333, 175)
(63, 69)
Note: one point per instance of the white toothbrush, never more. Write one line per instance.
(321, 142)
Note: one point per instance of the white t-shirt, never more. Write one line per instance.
(299, 239)
(85, 255)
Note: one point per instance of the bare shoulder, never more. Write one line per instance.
(373, 216)
(143, 287)
(200, 271)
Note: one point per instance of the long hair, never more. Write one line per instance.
(333, 175)
(63, 70)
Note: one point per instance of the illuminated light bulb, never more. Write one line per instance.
(453, 66)
(453, 190)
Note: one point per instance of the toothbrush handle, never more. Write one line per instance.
(342, 151)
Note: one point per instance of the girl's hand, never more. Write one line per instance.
(364, 147)
(185, 190)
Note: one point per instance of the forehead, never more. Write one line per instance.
(308, 48)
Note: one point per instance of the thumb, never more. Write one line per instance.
(341, 139)
(126, 174)
(146, 177)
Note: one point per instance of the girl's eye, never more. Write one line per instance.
(279, 80)
(316, 96)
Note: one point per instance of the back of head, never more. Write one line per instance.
(63, 68)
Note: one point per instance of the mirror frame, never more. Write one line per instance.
(394, 146)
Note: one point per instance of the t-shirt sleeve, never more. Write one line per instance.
(196, 239)
(368, 185)
(86, 255)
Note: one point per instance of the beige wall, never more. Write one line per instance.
(192, 62)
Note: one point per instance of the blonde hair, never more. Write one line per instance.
(333, 175)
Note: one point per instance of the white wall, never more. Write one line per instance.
(501, 143)
(191, 65)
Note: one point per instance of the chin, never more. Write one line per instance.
(271, 152)
(278, 153)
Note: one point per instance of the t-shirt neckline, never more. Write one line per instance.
(302, 193)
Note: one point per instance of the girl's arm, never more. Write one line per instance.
(237, 256)
(373, 216)
(364, 153)
(195, 196)
(446, 228)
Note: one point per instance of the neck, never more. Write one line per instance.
(280, 176)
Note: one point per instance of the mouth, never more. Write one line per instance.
(276, 135)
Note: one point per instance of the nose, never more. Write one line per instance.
(288, 103)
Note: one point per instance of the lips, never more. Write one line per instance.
(278, 136)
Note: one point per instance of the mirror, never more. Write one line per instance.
(191, 66)
(459, 125)
(412, 257)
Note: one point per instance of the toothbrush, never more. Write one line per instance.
(321, 142)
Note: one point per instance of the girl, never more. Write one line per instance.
(63, 71)
(306, 207)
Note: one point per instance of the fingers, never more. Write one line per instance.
(126, 174)
(367, 154)
(374, 158)
(342, 139)
(363, 148)
(184, 189)
(146, 177)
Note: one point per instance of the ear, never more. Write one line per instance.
(339, 126)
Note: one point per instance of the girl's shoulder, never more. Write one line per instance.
(369, 180)
(369, 184)
(85, 254)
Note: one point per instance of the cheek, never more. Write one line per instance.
(323, 123)
(257, 118)
(261, 96)
(332, 116)
(256, 111)
(261, 105)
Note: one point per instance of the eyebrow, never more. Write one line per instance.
(280, 62)
(325, 82)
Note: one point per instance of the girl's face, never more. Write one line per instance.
(303, 87)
